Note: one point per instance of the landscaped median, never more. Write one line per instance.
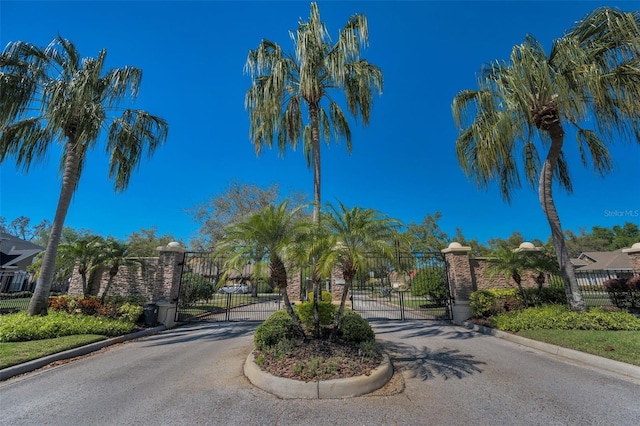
(318, 389)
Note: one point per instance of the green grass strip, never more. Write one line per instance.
(14, 353)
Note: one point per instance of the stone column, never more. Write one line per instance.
(460, 280)
(634, 256)
(170, 263)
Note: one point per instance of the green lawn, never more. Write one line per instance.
(18, 352)
(617, 345)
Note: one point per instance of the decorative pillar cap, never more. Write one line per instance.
(634, 249)
(172, 246)
(527, 246)
(456, 247)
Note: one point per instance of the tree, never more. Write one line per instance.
(84, 254)
(113, 255)
(266, 235)
(590, 78)
(284, 85)
(358, 233)
(427, 236)
(238, 200)
(145, 242)
(21, 227)
(53, 95)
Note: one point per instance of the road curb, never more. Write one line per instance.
(582, 357)
(14, 370)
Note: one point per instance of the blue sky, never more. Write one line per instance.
(403, 164)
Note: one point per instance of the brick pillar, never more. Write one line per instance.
(634, 256)
(460, 280)
(170, 263)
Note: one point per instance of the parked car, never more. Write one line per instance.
(235, 289)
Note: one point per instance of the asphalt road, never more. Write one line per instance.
(192, 375)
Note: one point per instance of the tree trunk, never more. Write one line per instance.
(348, 275)
(279, 276)
(574, 296)
(315, 153)
(39, 303)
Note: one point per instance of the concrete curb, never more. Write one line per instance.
(320, 389)
(584, 358)
(7, 373)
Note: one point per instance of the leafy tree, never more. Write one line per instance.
(238, 200)
(513, 241)
(427, 236)
(22, 228)
(267, 235)
(602, 239)
(145, 242)
(53, 95)
(358, 233)
(589, 78)
(284, 85)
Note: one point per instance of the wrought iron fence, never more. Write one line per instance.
(597, 291)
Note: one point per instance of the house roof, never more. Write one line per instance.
(602, 260)
(14, 250)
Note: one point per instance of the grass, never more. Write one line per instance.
(621, 346)
(18, 352)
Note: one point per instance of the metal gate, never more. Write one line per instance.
(204, 295)
(414, 287)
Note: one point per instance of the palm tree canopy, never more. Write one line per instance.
(53, 94)
(589, 80)
(284, 84)
(358, 233)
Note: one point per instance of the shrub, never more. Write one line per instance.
(279, 326)
(264, 286)
(486, 303)
(326, 296)
(547, 295)
(355, 329)
(60, 303)
(89, 306)
(195, 287)
(624, 292)
(22, 327)
(326, 312)
(561, 318)
(431, 282)
(130, 312)
(16, 295)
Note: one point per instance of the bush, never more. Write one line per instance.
(624, 292)
(326, 311)
(547, 296)
(279, 326)
(561, 318)
(22, 327)
(60, 303)
(355, 329)
(486, 303)
(89, 306)
(431, 282)
(326, 296)
(264, 287)
(130, 312)
(16, 295)
(195, 287)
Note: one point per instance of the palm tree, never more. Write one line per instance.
(357, 233)
(83, 254)
(115, 254)
(285, 84)
(591, 77)
(53, 95)
(270, 235)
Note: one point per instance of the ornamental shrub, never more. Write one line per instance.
(430, 282)
(279, 326)
(130, 312)
(486, 303)
(561, 318)
(89, 306)
(355, 329)
(326, 296)
(624, 292)
(326, 311)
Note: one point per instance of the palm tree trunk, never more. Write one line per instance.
(348, 275)
(279, 276)
(574, 296)
(40, 300)
(315, 153)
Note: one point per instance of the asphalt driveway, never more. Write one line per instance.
(192, 375)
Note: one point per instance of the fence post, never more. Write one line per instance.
(170, 263)
(460, 280)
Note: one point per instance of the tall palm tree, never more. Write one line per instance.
(53, 95)
(267, 235)
(591, 77)
(284, 85)
(357, 233)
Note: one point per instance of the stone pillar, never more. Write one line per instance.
(170, 263)
(634, 256)
(460, 280)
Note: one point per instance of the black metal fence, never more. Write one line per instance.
(414, 286)
(609, 288)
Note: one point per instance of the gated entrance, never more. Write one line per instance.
(414, 287)
(206, 295)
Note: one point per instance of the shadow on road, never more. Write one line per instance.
(203, 331)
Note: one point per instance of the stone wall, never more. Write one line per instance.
(482, 279)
